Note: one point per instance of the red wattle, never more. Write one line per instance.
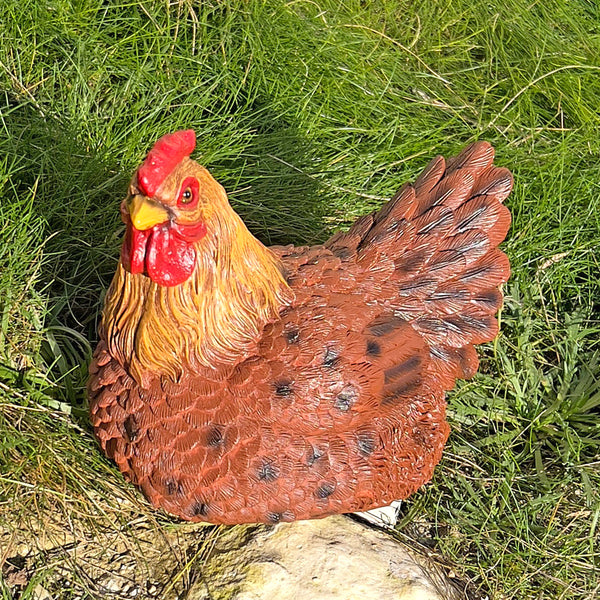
(170, 260)
(165, 252)
(137, 253)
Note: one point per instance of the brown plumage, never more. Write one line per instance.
(236, 383)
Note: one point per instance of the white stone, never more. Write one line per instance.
(330, 559)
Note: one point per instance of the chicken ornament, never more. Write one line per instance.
(236, 383)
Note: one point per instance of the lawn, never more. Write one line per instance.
(310, 113)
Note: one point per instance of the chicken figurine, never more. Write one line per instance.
(235, 383)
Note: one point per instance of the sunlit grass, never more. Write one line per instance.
(310, 114)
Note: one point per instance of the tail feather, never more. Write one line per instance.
(451, 191)
(458, 330)
(488, 272)
(485, 214)
(441, 236)
(496, 182)
(475, 157)
(472, 245)
(430, 176)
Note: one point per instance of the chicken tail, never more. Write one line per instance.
(434, 249)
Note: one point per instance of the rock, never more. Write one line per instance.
(41, 593)
(327, 559)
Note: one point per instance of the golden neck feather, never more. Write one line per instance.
(213, 318)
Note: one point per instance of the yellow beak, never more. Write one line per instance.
(146, 214)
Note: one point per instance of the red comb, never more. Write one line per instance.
(165, 155)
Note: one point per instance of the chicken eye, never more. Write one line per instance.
(188, 195)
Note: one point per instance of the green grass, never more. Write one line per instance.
(311, 114)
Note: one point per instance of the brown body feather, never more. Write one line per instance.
(240, 397)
